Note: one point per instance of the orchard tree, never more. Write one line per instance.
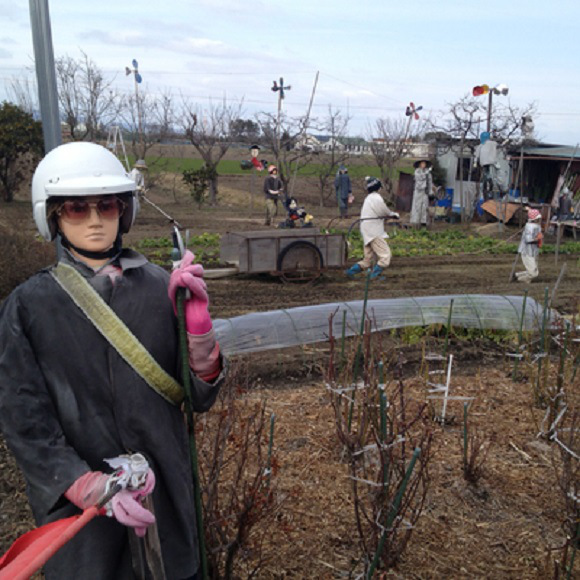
(87, 100)
(288, 144)
(149, 119)
(459, 128)
(209, 131)
(335, 126)
(391, 141)
(21, 145)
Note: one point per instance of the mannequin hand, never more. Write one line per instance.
(125, 506)
(190, 276)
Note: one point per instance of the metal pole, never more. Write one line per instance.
(304, 131)
(45, 73)
(138, 112)
(489, 110)
(190, 424)
(278, 128)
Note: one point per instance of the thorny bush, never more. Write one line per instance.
(379, 428)
(238, 479)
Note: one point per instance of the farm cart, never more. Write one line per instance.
(299, 255)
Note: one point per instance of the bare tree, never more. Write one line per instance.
(87, 100)
(149, 119)
(335, 127)
(291, 151)
(460, 127)
(208, 130)
(24, 94)
(391, 141)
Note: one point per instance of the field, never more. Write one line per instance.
(500, 528)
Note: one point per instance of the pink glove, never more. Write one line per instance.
(125, 506)
(88, 489)
(190, 276)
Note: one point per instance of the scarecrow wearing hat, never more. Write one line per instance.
(137, 174)
(372, 228)
(421, 192)
(529, 247)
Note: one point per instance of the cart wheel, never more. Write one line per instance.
(300, 261)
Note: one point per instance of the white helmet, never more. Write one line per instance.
(80, 169)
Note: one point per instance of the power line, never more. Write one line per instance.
(268, 102)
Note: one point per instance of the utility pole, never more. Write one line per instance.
(280, 90)
(486, 90)
(138, 80)
(45, 74)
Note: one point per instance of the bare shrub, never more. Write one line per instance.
(238, 479)
(387, 441)
(475, 447)
(20, 257)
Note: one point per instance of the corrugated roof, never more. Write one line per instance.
(561, 151)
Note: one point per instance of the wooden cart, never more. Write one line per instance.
(296, 255)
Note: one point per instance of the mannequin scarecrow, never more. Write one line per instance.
(421, 192)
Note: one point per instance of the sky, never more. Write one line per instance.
(373, 56)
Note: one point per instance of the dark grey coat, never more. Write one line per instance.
(68, 401)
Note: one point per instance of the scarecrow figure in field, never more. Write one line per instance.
(137, 174)
(296, 215)
(72, 397)
(254, 152)
(374, 212)
(343, 190)
(273, 190)
(486, 155)
(529, 247)
(422, 192)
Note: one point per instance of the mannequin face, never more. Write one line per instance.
(423, 165)
(95, 230)
(254, 152)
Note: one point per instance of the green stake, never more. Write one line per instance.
(191, 430)
(270, 444)
(343, 340)
(542, 346)
(383, 425)
(520, 336)
(465, 406)
(359, 349)
(393, 513)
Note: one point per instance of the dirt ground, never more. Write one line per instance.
(499, 529)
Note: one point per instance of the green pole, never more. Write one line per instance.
(343, 339)
(574, 549)
(465, 406)
(520, 335)
(270, 445)
(191, 430)
(383, 425)
(359, 349)
(542, 346)
(393, 513)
